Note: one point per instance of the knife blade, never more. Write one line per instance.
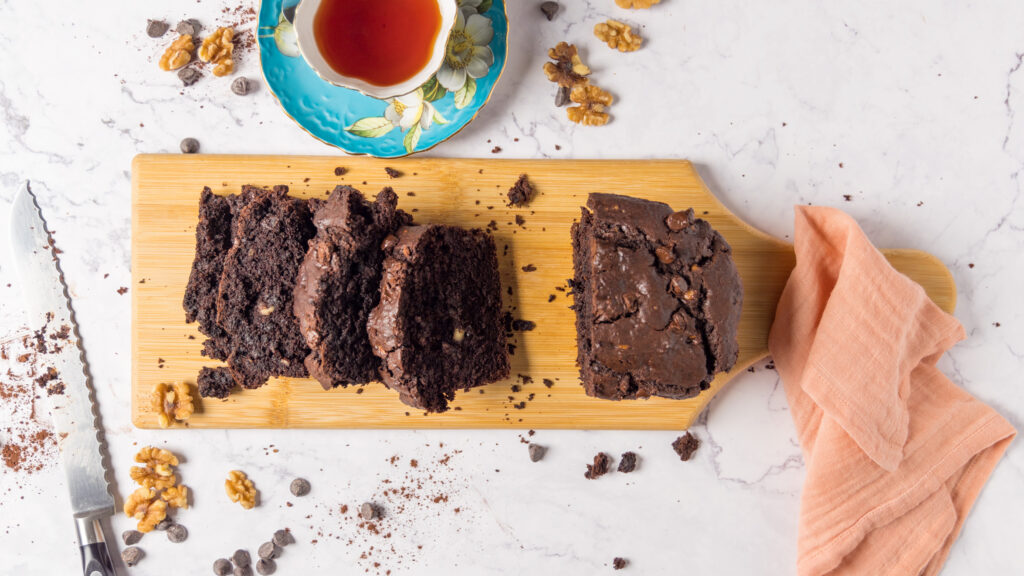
(73, 412)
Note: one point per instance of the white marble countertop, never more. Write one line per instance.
(913, 109)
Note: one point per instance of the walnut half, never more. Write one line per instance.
(176, 496)
(172, 402)
(158, 472)
(618, 35)
(567, 70)
(592, 105)
(178, 53)
(144, 506)
(219, 49)
(240, 489)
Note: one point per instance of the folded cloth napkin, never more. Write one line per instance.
(896, 453)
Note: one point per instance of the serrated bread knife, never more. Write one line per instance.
(74, 415)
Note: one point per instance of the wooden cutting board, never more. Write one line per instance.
(468, 193)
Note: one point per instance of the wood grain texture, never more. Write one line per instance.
(451, 191)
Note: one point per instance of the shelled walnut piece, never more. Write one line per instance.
(636, 4)
(219, 49)
(592, 105)
(172, 402)
(176, 496)
(144, 506)
(158, 472)
(567, 70)
(178, 53)
(240, 489)
(618, 35)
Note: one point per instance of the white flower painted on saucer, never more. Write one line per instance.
(468, 54)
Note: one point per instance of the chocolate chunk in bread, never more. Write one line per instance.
(254, 302)
(339, 284)
(438, 326)
(657, 300)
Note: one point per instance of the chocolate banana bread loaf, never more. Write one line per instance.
(339, 284)
(438, 326)
(657, 300)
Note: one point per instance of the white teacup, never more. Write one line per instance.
(304, 30)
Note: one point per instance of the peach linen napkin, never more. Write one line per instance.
(896, 453)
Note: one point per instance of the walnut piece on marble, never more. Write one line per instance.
(592, 105)
(158, 472)
(176, 496)
(172, 402)
(240, 489)
(618, 35)
(144, 506)
(218, 48)
(178, 53)
(636, 4)
(567, 70)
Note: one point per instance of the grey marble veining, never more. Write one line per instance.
(913, 109)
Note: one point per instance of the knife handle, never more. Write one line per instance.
(92, 544)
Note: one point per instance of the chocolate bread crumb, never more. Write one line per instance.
(215, 382)
(685, 446)
(600, 467)
(521, 192)
(619, 563)
(628, 462)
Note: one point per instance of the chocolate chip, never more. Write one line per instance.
(562, 96)
(241, 558)
(392, 173)
(300, 487)
(268, 550)
(537, 452)
(131, 537)
(242, 86)
(156, 28)
(685, 446)
(676, 221)
(189, 76)
(679, 286)
(665, 254)
(177, 533)
(549, 9)
(164, 524)
(619, 563)
(628, 462)
(266, 566)
(190, 27)
(367, 511)
(189, 146)
(221, 567)
(389, 242)
(132, 555)
(283, 538)
(243, 571)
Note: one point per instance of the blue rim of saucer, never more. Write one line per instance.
(357, 123)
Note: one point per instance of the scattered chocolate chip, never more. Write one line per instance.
(392, 173)
(268, 550)
(189, 146)
(189, 75)
(242, 86)
(300, 487)
(521, 192)
(266, 566)
(131, 555)
(561, 99)
(283, 538)
(164, 524)
(339, 171)
(177, 533)
(241, 558)
(367, 511)
(549, 9)
(190, 27)
(619, 563)
(685, 446)
(602, 463)
(156, 28)
(131, 537)
(537, 452)
(628, 462)
(519, 325)
(221, 567)
(243, 571)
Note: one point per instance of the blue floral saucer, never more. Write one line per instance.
(418, 121)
